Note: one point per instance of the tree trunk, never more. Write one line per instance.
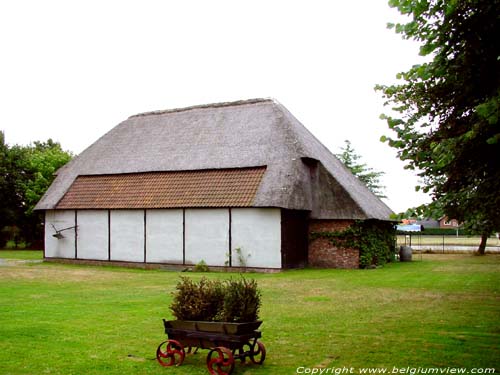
(482, 245)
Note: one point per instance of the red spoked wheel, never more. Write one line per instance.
(220, 361)
(258, 353)
(170, 353)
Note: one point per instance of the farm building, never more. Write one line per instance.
(239, 184)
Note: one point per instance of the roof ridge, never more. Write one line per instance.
(206, 106)
(204, 170)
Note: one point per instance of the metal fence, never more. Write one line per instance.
(446, 243)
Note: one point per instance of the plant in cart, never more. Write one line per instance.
(221, 316)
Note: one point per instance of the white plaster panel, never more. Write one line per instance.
(257, 232)
(207, 236)
(127, 235)
(92, 237)
(164, 236)
(64, 247)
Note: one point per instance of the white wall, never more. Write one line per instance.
(92, 238)
(257, 231)
(207, 236)
(164, 236)
(64, 247)
(127, 235)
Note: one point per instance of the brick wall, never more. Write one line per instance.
(329, 225)
(323, 254)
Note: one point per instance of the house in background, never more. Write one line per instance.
(447, 223)
(408, 221)
(428, 223)
(444, 223)
(239, 184)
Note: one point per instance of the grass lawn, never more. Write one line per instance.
(21, 254)
(441, 312)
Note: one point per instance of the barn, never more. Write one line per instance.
(238, 184)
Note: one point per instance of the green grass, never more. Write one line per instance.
(439, 312)
(21, 254)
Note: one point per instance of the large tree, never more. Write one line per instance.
(11, 200)
(25, 174)
(445, 112)
(40, 162)
(7, 184)
(352, 160)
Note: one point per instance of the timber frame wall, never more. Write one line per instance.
(267, 237)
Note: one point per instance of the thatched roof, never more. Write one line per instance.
(301, 173)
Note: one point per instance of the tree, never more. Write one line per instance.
(5, 186)
(42, 160)
(445, 112)
(11, 200)
(367, 175)
(26, 172)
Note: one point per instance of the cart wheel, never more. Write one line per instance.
(258, 353)
(170, 353)
(222, 362)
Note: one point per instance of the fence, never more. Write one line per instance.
(446, 243)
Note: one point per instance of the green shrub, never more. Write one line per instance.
(237, 255)
(197, 301)
(241, 301)
(443, 231)
(216, 300)
(201, 266)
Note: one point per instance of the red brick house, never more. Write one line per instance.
(447, 223)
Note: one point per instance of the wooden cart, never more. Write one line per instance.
(226, 342)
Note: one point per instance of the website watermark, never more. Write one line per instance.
(394, 370)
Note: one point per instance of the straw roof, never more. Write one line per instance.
(300, 173)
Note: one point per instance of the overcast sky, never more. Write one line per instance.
(72, 70)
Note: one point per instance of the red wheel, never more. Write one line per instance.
(258, 353)
(170, 353)
(220, 361)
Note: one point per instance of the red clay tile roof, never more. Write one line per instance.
(201, 188)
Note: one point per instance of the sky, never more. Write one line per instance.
(72, 70)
